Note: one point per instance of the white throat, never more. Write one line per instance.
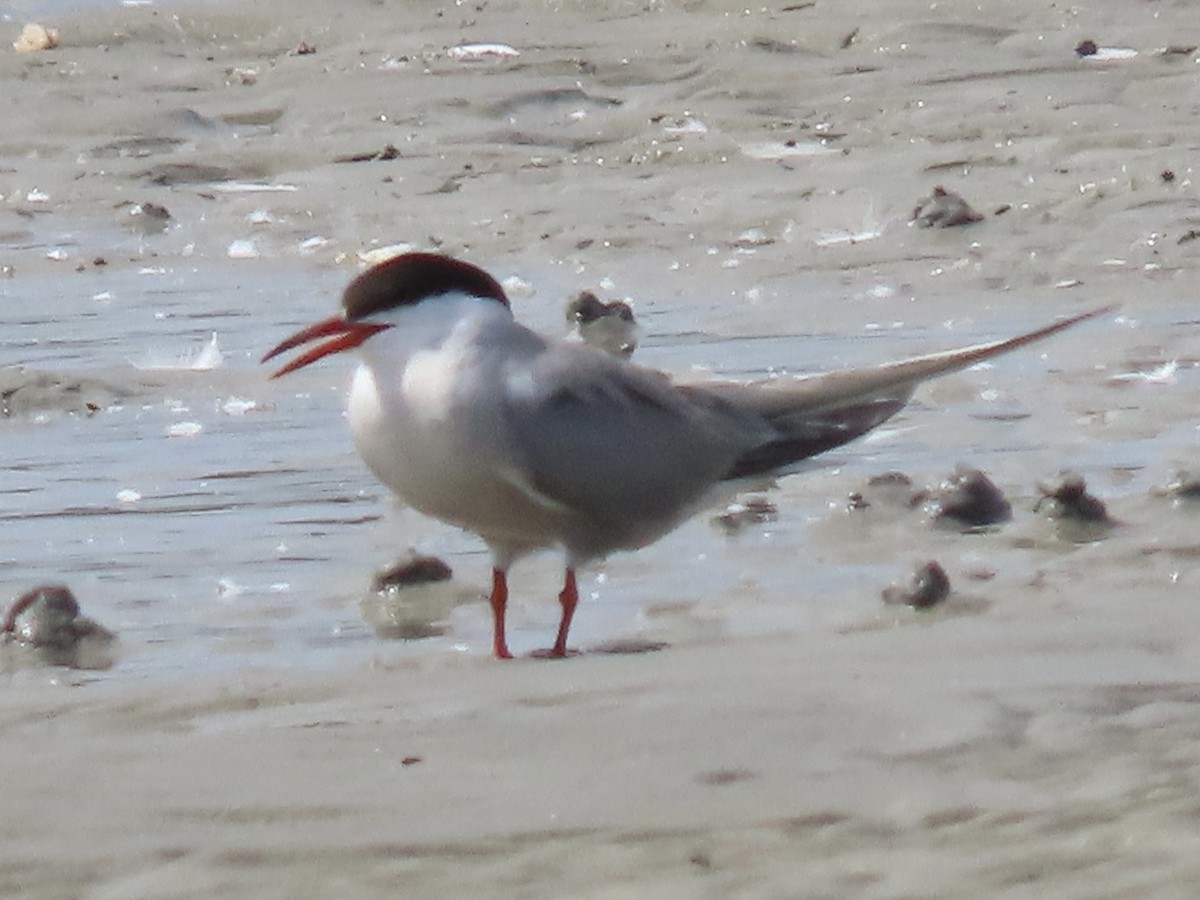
(449, 324)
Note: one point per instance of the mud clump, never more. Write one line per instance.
(1078, 516)
(968, 500)
(47, 622)
(411, 599)
(944, 209)
(1183, 488)
(610, 327)
(410, 571)
(927, 586)
(751, 511)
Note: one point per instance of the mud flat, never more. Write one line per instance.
(746, 177)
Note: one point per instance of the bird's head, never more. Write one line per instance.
(386, 288)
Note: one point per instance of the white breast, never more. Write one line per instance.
(424, 411)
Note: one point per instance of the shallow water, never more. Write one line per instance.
(216, 519)
(194, 567)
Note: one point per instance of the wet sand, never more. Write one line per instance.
(747, 179)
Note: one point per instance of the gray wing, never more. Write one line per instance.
(620, 447)
(627, 452)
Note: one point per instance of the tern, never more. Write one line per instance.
(533, 442)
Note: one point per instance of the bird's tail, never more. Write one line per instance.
(812, 414)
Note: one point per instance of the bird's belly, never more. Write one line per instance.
(439, 469)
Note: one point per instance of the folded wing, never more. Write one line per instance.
(631, 452)
(622, 447)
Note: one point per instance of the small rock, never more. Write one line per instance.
(376, 255)
(242, 249)
(516, 286)
(944, 209)
(927, 586)
(1077, 516)
(184, 430)
(239, 406)
(1185, 486)
(241, 75)
(36, 37)
(312, 244)
(150, 218)
(752, 238)
(967, 499)
(891, 489)
(411, 570)
(751, 511)
(610, 327)
(47, 621)
(1071, 500)
(389, 152)
(1094, 53)
(411, 599)
(482, 52)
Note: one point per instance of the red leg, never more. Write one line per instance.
(499, 602)
(569, 598)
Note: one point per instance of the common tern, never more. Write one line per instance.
(533, 442)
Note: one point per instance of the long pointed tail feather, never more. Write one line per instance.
(816, 413)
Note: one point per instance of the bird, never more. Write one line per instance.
(610, 327)
(534, 442)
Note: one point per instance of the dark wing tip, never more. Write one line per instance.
(412, 277)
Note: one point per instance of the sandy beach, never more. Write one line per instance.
(747, 177)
